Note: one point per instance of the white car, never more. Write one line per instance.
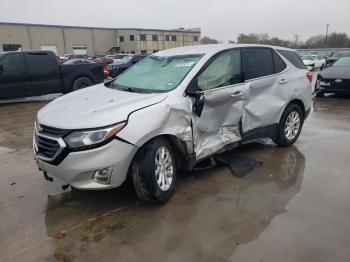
(313, 61)
(168, 113)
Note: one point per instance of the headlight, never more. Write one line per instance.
(80, 139)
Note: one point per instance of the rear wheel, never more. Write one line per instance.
(81, 82)
(154, 171)
(290, 126)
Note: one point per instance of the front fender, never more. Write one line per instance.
(169, 117)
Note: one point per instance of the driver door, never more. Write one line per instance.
(14, 76)
(218, 106)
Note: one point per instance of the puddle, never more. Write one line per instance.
(239, 165)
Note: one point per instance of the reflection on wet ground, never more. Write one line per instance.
(291, 205)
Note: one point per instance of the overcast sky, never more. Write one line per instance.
(220, 19)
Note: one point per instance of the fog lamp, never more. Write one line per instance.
(103, 176)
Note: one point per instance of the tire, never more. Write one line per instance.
(81, 82)
(286, 137)
(147, 181)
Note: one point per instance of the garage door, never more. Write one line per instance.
(52, 48)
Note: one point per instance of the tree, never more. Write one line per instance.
(207, 40)
(262, 39)
(316, 41)
(338, 40)
(248, 39)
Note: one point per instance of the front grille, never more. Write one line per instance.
(47, 147)
(49, 143)
(52, 131)
(344, 84)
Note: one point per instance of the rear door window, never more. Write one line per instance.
(280, 65)
(257, 62)
(292, 57)
(40, 63)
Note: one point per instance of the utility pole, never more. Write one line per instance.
(325, 39)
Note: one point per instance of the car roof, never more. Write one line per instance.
(209, 49)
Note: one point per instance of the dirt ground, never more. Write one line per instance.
(294, 207)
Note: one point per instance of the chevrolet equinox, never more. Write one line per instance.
(169, 112)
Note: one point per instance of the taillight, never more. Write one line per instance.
(309, 76)
(105, 71)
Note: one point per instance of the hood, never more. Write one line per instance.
(331, 59)
(95, 106)
(307, 62)
(335, 72)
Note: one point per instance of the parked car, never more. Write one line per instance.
(79, 62)
(24, 74)
(331, 60)
(334, 79)
(67, 57)
(313, 61)
(116, 69)
(168, 113)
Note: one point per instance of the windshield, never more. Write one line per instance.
(119, 56)
(307, 57)
(344, 61)
(125, 59)
(156, 73)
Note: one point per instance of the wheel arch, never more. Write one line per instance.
(178, 146)
(296, 101)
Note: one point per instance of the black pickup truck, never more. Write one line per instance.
(25, 74)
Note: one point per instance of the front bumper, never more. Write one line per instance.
(333, 87)
(77, 168)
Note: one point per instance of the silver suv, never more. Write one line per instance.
(169, 112)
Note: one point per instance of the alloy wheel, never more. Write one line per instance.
(292, 125)
(164, 168)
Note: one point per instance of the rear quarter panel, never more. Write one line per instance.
(298, 88)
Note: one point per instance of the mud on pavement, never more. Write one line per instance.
(290, 205)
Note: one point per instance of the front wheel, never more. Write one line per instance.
(154, 172)
(290, 126)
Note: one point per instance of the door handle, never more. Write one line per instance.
(237, 93)
(283, 81)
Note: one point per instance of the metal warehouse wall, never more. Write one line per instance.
(104, 39)
(96, 40)
(78, 37)
(14, 34)
(41, 36)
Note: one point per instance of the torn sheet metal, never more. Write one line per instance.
(170, 118)
(218, 125)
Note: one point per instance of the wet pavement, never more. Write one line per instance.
(291, 206)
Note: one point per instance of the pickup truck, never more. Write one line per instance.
(26, 74)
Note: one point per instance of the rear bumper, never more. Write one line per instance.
(78, 168)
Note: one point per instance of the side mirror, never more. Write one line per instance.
(193, 91)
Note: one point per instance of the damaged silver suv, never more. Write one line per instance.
(169, 112)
